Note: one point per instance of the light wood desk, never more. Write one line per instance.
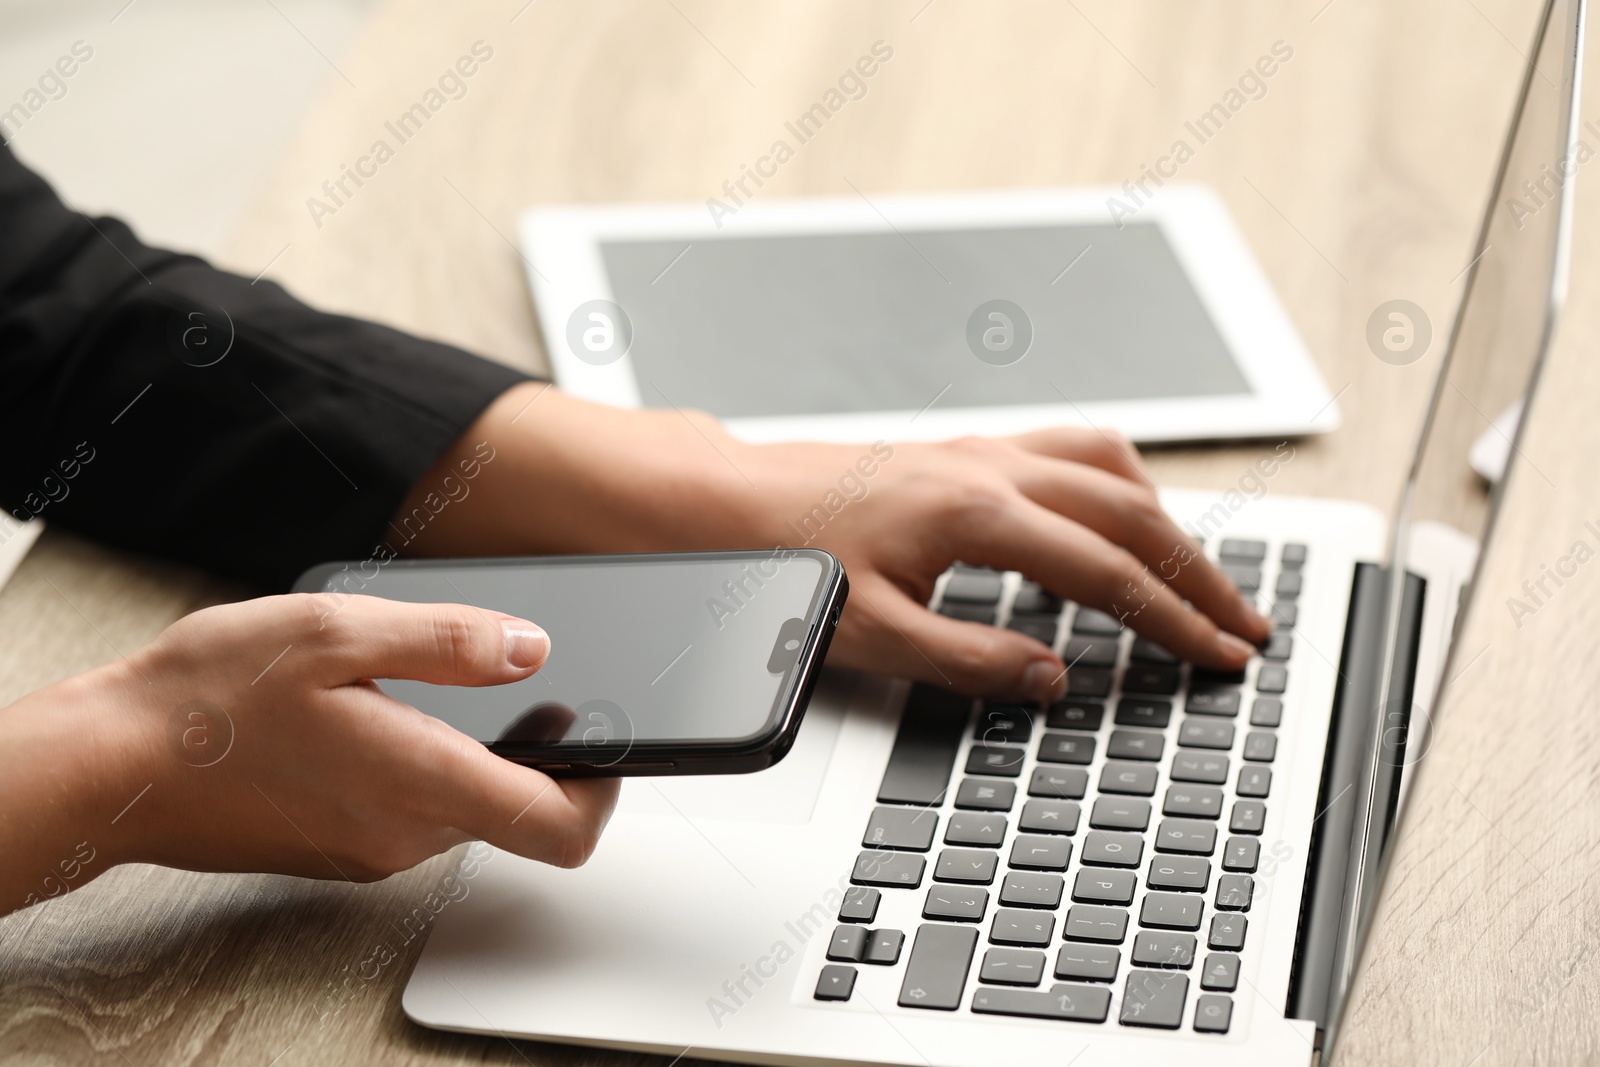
(1357, 178)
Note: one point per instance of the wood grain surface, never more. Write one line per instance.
(1357, 178)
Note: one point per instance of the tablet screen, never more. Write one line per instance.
(823, 323)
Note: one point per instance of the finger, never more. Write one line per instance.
(1108, 450)
(447, 644)
(1130, 516)
(1075, 562)
(885, 631)
(514, 807)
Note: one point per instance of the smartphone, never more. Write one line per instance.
(671, 663)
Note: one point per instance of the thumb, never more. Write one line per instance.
(446, 644)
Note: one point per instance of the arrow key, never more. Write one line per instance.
(836, 983)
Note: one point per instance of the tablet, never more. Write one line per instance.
(923, 317)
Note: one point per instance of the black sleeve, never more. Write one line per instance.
(156, 403)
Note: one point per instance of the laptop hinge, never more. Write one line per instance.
(1325, 910)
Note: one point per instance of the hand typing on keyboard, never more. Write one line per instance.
(1069, 508)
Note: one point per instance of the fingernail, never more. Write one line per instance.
(1235, 648)
(1044, 681)
(526, 644)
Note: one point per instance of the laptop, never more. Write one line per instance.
(1168, 865)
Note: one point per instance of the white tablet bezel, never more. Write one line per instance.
(562, 246)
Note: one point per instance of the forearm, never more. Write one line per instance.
(570, 476)
(66, 773)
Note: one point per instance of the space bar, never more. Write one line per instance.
(925, 747)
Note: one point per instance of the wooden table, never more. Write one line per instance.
(1358, 177)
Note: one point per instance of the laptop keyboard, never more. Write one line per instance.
(1107, 842)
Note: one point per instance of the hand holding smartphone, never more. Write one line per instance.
(660, 664)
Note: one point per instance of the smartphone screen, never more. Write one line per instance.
(657, 652)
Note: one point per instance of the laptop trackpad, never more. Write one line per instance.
(786, 793)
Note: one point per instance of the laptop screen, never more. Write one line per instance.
(1512, 289)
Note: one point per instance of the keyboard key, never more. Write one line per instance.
(1212, 1013)
(1086, 922)
(1092, 963)
(1080, 1003)
(1031, 853)
(848, 945)
(1154, 714)
(1042, 628)
(974, 828)
(1171, 911)
(1220, 971)
(860, 905)
(1286, 613)
(1237, 548)
(1001, 760)
(1272, 678)
(1294, 556)
(1206, 733)
(1187, 836)
(1058, 783)
(973, 587)
(1033, 599)
(1155, 999)
(1002, 723)
(1254, 781)
(1249, 817)
(898, 870)
(1012, 966)
(1075, 715)
(1260, 746)
(909, 828)
(1158, 678)
(978, 613)
(1241, 854)
(1246, 579)
(1120, 813)
(1102, 848)
(1088, 682)
(1129, 779)
(1022, 927)
(970, 866)
(1278, 646)
(1288, 586)
(1049, 817)
(1135, 744)
(1090, 621)
(978, 794)
(1104, 887)
(1266, 711)
(1234, 892)
(1227, 932)
(1179, 872)
(936, 971)
(1206, 768)
(1207, 678)
(1022, 889)
(953, 902)
(1159, 948)
(925, 747)
(836, 983)
(883, 947)
(1066, 748)
(1212, 702)
(1091, 652)
(1147, 651)
(1196, 801)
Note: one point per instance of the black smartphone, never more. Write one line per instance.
(669, 663)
